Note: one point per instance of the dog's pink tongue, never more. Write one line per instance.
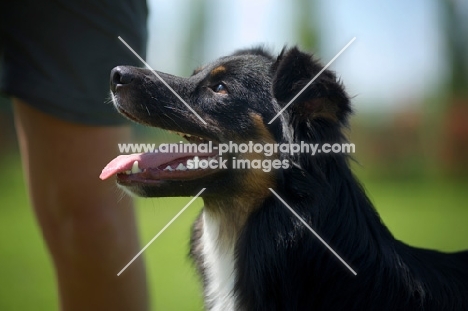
(145, 160)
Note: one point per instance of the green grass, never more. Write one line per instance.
(430, 214)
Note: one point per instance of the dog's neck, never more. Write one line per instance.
(231, 214)
(223, 221)
(335, 195)
(342, 210)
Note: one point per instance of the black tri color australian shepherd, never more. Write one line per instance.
(252, 252)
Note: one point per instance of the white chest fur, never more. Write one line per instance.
(219, 267)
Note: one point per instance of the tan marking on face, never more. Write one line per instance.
(218, 70)
(253, 190)
(262, 130)
(256, 180)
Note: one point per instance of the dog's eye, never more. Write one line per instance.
(220, 88)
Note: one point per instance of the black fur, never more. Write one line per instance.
(280, 265)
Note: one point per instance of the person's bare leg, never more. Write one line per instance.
(87, 224)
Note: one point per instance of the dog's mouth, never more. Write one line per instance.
(160, 165)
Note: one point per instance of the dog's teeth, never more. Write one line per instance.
(181, 167)
(128, 172)
(135, 168)
(168, 168)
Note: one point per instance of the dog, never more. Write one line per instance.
(251, 251)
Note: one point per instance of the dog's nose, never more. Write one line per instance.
(120, 75)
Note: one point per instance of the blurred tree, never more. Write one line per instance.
(195, 41)
(307, 24)
(456, 32)
(455, 130)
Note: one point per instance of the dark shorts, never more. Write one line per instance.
(57, 55)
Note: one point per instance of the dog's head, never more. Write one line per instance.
(230, 100)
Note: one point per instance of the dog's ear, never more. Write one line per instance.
(325, 98)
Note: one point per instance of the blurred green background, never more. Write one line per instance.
(408, 72)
